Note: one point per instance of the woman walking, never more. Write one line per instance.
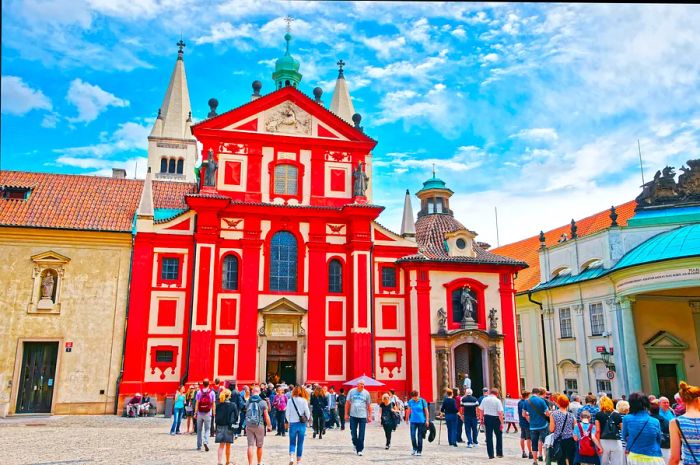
(450, 409)
(297, 415)
(318, 406)
(388, 420)
(685, 429)
(189, 409)
(608, 425)
(226, 417)
(561, 424)
(178, 410)
(417, 416)
(642, 433)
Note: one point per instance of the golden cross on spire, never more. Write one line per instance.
(288, 19)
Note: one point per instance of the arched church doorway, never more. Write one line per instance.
(468, 358)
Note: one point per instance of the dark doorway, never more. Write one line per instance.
(282, 362)
(468, 360)
(667, 375)
(37, 377)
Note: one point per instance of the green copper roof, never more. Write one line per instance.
(677, 243)
(286, 68)
(434, 183)
(676, 215)
(563, 280)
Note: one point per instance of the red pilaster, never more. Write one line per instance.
(510, 343)
(318, 287)
(425, 350)
(248, 335)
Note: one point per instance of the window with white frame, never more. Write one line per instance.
(518, 328)
(603, 385)
(286, 179)
(597, 319)
(565, 323)
(570, 385)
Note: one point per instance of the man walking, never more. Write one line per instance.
(524, 426)
(537, 415)
(342, 399)
(492, 410)
(256, 417)
(332, 399)
(358, 409)
(471, 422)
(205, 409)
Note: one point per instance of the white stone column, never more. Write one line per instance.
(582, 349)
(629, 340)
(618, 348)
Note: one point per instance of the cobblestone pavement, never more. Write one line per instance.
(67, 440)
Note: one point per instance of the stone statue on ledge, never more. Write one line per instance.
(468, 302)
(442, 321)
(664, 190)
(361, 181)
(210, 170)
(493, 321)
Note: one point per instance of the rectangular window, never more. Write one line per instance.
(518, 328)
(603, 385)
(170, 269)
(285, 179)
(389, 277)
(597, 319)
(571, 385)
(164, 356)
(565, 322)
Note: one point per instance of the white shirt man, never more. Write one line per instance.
(467, 382)
(491, 409)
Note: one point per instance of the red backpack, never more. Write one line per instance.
(586, 448)
(204, 401)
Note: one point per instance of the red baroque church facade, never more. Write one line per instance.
(278, 269)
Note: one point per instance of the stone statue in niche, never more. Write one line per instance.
(47, 288)
(468, 302)
(361, 180)
(442, 321)
(210, 170)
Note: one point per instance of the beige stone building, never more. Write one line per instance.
(66, 247)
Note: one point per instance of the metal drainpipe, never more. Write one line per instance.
(544, 345)
(126, 325)
(371, 306)
(189, 329)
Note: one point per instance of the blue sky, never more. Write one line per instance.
(532, 108)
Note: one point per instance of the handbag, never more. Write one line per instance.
(686, 443)
(302, 418)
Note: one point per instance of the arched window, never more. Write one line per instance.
(229, 273)
(335, 276)
(171, 166)
(180, 165)
(286, 179)
(283, 262)
(163, 165)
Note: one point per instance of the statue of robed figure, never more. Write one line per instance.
(468, 302)
(210, 170)
(361, 180)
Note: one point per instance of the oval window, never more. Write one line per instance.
(461, 244)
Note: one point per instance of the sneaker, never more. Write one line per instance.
(206, 447)
(199, 448)
(292, 458)
(524, 455)
(469, 446)
(418, 454)
(529, 455)
(386, 447)
(360, 453)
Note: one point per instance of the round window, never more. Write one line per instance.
(461, 244)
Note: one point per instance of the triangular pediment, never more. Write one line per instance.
(285, 112)
(283, 306)
(665, 341)
(50, 258)
(385, 236)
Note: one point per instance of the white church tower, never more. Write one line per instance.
(172, 149)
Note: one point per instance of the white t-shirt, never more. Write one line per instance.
(491, 405)
(467, 383)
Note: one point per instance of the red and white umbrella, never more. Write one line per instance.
(368, 381)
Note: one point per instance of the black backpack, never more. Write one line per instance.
(611, 430)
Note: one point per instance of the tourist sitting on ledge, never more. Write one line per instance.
(145, 405)
(133, 407)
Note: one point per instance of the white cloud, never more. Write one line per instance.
(466, 158)
(225, 31)
(91, 100)
(537, 134)
(384, 46)
(459, 32)
(490, 58)
(128, 137)
(19, 99)
(50, 120)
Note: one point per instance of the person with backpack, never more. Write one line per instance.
(417, 416)
(388, 417)
(256, 417)
(204, 410)
(642, 433)
(279, 405)
(318, 405)
(297, 415)
(608, 424)
(226, 417)
(561, 425)
(585, 435)
(537, 415)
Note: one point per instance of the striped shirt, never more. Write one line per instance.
(691, 431)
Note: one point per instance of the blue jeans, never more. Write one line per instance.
(357, 431)
(296, 438)
(178, 413)
(452, 428)
(471, 429)
(280, 421)
(417, 432)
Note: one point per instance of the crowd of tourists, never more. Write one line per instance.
(554, 427)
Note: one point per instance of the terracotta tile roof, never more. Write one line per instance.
(527, 249)
(430, 236)
(96, 203)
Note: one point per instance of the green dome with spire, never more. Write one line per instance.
(286, 68)
(434, 183)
